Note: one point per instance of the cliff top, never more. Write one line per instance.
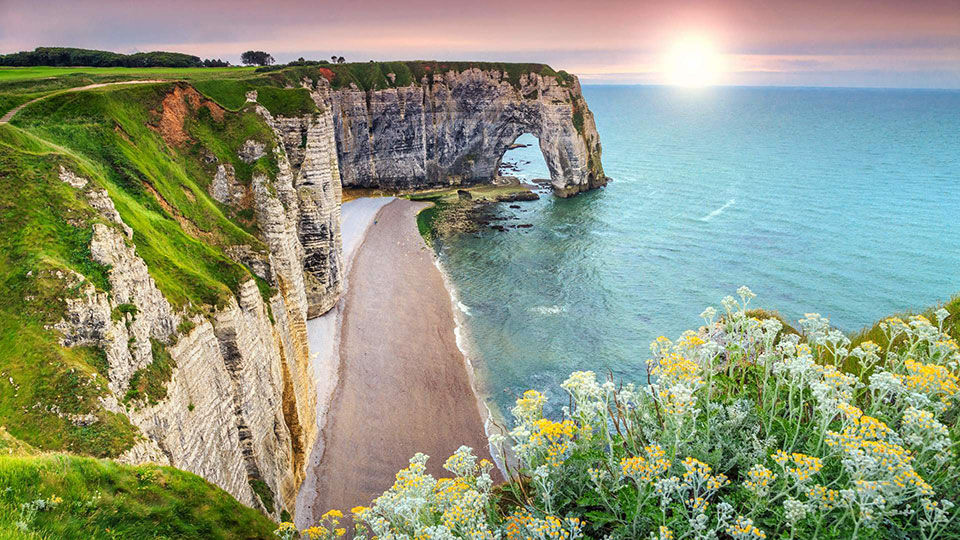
(227, 86)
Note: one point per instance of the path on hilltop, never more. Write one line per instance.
(12, 112)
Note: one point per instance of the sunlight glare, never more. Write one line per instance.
(693, 61)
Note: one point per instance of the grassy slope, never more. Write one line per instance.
(105, 135)
(36, 241)
(103, 499)
(227, 86)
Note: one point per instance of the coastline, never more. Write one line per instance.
(461, 332)
(401, 372)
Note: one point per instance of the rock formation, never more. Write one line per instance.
(239, 395)
(454, 127)
(309, 165)
(239, 406)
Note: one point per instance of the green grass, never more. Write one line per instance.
(149, 384)
(375, 75)
(9, 74)
(105, 135)
(102, 499)
(36, 242)
(263, 492)
(286, 101)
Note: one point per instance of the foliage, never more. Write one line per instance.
(259, 58)
(264, 492)
(149, 383)
(742, 430)
(60, 496)
(210, 62)
(68, 56)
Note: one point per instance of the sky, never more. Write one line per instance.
(883, 43)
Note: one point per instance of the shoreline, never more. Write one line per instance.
(401, 373)
(460, 312)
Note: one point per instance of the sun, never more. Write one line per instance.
(693, 61)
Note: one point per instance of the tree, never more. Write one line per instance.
(259, 58)
(341, 60)
(333, 59)
(210, 62)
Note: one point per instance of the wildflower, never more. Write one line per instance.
(745, 293)
(743, 529)
(286, 531)
(794, 511)
(804, 466)
(759, 479)
(522, 525)
(930, 379)
(823, 498)
(551, 441)
(315, 533)
(645, 469)
(529, 408)
(462, 462)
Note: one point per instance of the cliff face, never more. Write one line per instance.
(238, 382)
(311, 193)
(454, 127)
(238, 400)
(186, 288)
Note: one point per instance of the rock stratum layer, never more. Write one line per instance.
(453, 128)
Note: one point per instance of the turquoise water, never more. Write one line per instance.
(840, 201)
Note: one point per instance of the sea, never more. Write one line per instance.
(844, 202)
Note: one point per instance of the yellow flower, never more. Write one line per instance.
(314, 533)
(333, 514)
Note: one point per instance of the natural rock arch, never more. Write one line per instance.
(455, 127)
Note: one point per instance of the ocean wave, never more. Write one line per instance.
(465, 309)
(548, 310)
(718, 211)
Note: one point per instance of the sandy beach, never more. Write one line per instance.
(403, 385)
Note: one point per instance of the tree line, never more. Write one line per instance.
(71, 56)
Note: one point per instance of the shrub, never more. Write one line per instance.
(741, 430)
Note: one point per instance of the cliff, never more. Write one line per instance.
(453, 124)
(190, 245)
(164, 244)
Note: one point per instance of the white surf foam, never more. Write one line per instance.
(548, 310)
(718, 211)
(459, 332)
